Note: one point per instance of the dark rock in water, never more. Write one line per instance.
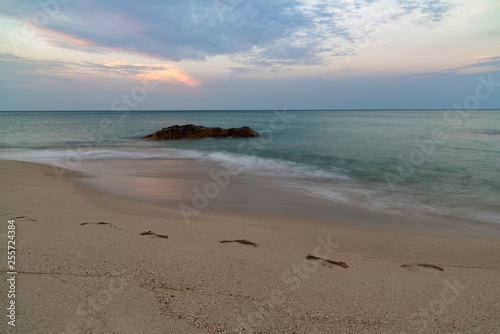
(196, 131)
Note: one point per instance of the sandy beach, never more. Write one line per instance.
(90, 262)
(230, 166)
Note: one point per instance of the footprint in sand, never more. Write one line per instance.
(100, 223)
(327, 263)
(155, 235)
(414, 267)
(241, 241)
(24, 218)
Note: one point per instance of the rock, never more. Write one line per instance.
(196, 131)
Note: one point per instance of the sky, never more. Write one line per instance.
(249, 54)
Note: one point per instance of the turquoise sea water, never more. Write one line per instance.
(438, 162)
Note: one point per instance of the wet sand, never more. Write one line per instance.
(197, 187)
(90, 260)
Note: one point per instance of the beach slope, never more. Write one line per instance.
(90, 262)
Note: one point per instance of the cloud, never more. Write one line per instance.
(17, 69)
(430, 10)
(268, 34)
(21, 69)
(485, 64)
(168, 73)
(240, 70)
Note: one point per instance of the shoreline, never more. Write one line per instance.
(181, 185)
(82, 250)
(170, 178)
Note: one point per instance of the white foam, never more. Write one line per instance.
(254, 165)
(74, 154)
(250, 165)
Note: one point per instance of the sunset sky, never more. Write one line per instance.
(247, 54)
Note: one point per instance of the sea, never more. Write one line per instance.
(419, 163)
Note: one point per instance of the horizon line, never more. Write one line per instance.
(238, 110)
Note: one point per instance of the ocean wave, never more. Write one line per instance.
(246, 164)
(259, 166)
(75, 155)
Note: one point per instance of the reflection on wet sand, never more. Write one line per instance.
(156, 180)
